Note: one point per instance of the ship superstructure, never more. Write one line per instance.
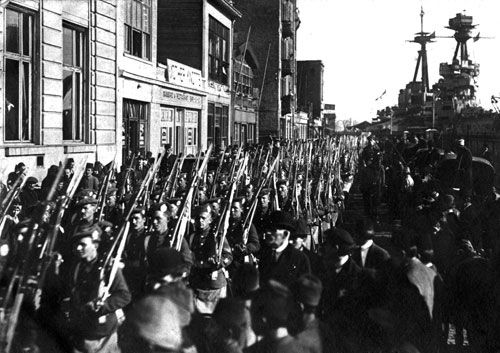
(456, 90)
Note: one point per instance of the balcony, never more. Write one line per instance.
(286, 104)
(286, 67)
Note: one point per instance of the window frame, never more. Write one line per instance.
(133, 27)
(218, 51)
(77, 69)
(22, 59)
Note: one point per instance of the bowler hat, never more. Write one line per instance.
(280, 220)
(301, 228)
(340, 238)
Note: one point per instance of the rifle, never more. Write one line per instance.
(101, 198)
(223, 225)
(216, 175)
(185, 214)
(47, 254)
(251, 212)
(178, 172)
(23, 278)
(168, 183)
(123, 189)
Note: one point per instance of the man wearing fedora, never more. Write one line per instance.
(279, 259)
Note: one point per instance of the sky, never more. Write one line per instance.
(363, 46)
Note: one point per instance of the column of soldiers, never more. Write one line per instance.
(242, 250)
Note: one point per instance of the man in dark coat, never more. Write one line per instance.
(314, 334)
(368, 254)
(270, 310)
(464, 158)
(135, 258)
(167, 162)
(243, 250)
(207, 276)
(263, 210)
(93, 323)
(162, 238)
(30, 195)
(279, 260)
(346, 294)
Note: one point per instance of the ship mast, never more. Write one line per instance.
(423, 38)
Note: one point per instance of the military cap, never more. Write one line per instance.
(240, 199)
(87, 200)
(159, 206)
(105, 224)
(213, 200)
(174, 201)
(93, 231)
(85, 193)
(340, 238)
(140, 210)
(265, 191)
(89, 166)
(281, 182)
(183, 175)
(31, 180)
(308, 290)
(280, 220)
(156, 319)
(301, 228)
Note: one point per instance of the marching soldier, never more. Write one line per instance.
(242, 251)
(207, 274)
(263, 210)
(93, 324)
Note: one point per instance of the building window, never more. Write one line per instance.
(135, 117)
(218, 51)
(18, 71)
(74, 82)
(236, 137)
(138, 28)
(218, 120)
(243, 82)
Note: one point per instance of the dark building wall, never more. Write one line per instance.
(310, 86)
(263, 17)
(180, 28)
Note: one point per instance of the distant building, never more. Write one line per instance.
(199, 34)
(58, 61)
(329, 118)
(273, 26)
(246, 95)
(310, 93)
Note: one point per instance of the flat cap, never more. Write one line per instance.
(87, 200)
(308, 289)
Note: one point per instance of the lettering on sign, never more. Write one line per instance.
(181, 97)
(184, 75)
